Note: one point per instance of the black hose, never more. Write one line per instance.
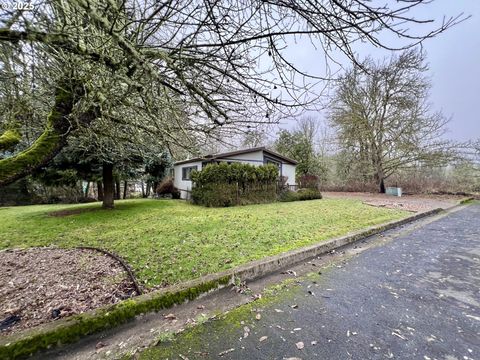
(121, 261)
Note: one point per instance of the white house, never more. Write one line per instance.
(255, 156)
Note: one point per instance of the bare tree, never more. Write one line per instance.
(384, 120)
(180, 69)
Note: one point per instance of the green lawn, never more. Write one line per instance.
(168, 241)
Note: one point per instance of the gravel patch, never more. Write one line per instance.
(413, 203)
(40, 285)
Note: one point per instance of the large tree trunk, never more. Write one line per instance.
(108, 186)
(125, 189)
(382, 186)
(378, 166)
(100, 191)
(380, 180)
(117, 189)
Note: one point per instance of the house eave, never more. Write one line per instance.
(238, 152)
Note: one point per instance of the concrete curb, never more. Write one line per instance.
(260, 268)
(71, 329)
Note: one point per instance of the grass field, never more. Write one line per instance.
(168, 241)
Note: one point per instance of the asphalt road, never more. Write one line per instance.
(415, 297)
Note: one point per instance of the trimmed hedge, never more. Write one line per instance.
(240, 173)
(221, 185)
(224, 194)
(300, 195)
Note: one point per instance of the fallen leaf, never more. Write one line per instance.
(299, 345)
(226, 352)
(290, 272)
(170, 317)
(256, 296)
(263, 338)
(398, 335)
(100, 345)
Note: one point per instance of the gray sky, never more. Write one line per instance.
(454, 61)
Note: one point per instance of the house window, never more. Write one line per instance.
(269, 160)
(187, 170)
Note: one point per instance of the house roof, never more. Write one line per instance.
(239, 152)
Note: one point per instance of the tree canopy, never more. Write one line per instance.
(384, 120)
(184, 71)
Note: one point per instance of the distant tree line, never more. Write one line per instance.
(106, 87)
(381, 128)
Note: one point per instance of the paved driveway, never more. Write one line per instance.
(416, 297)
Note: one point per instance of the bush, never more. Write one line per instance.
(225, 184)
(287, 195)
(300, 195)
(309, 194)
(215, 195)
(224, 194)
(240, 173)
(309, 181)
(166, 187)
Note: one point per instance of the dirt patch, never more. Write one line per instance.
(413, 203)
(40, 285)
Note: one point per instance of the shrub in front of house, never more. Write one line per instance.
(309, 194)
(308, 181)
(220, 185)
(215, 195)
(166, 188)
(300, 195)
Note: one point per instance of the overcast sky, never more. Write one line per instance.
(454, 61)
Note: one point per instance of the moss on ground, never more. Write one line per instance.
(230, 323)
(22, 345)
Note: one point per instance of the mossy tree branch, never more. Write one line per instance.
(48, 143)
(9, 139)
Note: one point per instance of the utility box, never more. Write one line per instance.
(394, 191)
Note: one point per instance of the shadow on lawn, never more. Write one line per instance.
(97, 207)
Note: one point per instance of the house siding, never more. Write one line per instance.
(255, 158)
(288, 170)
(185, 186)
